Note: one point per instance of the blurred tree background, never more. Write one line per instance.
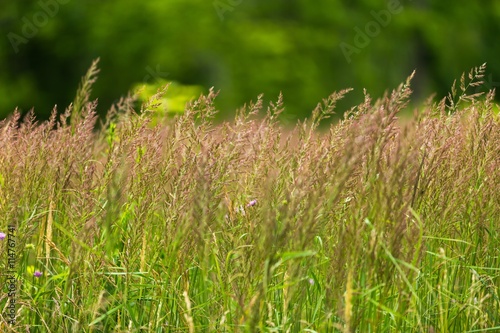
(307, 49)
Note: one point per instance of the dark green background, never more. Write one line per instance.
(242, 47)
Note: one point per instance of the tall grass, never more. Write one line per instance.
(372, 225)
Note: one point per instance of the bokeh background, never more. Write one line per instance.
(306, 49)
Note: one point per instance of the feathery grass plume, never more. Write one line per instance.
(475, 77)
(82, 97)
(188, 224)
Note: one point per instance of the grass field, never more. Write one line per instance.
(369, 225)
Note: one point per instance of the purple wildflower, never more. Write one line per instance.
(37, 274)
(2, 235)
(252, 203)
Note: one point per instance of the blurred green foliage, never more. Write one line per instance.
(170, 101)
(242, 48)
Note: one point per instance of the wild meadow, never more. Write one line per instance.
(141, 222)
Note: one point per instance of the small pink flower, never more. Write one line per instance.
(2, 236)
(37, 274)
(252, 203)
